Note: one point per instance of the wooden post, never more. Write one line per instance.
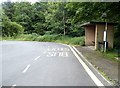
(96, 37)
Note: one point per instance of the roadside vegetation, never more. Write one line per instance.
(55, 22)
(49, 38)
(112, 55)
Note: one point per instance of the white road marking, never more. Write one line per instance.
(53, 49)
(54, 53)
(28, 66)
(36, 58)
(58, 54)
(66, 54)
(90, 73)
(13, 86)
(91, 65)
(51, 54)
(58, 49)
(61, 54)
(61, 49)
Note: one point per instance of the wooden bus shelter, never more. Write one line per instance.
(94, 33)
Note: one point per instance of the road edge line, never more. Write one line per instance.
(91, 65)
(90, 73)
(13, 86)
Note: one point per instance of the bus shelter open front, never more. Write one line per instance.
(94, 34)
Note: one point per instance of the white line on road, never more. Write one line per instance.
(36, 58)
(91, 65)
(90, 73)
(66, 54)
(28, 66)
(13, 86)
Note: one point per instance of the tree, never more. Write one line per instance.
(61, 18)
(10, 29)
(8, 9)
(22, 15)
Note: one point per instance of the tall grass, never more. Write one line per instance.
(49, 38)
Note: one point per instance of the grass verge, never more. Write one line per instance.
(48, 38)
(111, 54)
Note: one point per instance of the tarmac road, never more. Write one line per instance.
(27, 63)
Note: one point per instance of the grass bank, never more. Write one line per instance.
(48, 38)
(111, 54)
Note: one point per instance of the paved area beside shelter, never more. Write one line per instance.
(110, 68)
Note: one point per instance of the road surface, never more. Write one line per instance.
(27, 63)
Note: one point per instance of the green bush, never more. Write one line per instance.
(47, 38)
(50, 38)
(82, 41)
(117, 43)
(76, 41)
(30, 37)
(39, 28)
(39, 38)
(0, 32)
(11, 29)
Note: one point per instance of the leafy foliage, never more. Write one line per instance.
(11, 28)
(60, 18)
